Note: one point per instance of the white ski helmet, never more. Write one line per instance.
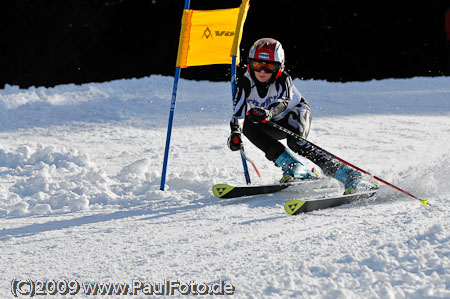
(267, 50)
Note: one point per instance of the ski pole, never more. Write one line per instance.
(251, 162)
(296, 136)
(233, 88)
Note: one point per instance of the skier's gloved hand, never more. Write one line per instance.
(235, 141)
(259, 115)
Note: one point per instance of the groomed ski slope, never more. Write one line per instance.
(80, 168)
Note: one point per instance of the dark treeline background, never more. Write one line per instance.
(50, 42)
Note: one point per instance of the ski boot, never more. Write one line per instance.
(352, 180)
(292, 168)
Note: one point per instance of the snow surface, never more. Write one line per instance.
(80, 170)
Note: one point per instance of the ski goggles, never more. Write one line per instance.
(268, 67)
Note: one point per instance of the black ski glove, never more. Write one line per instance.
(259, 115)
(235, 141)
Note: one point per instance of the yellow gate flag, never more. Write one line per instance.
(211, 36)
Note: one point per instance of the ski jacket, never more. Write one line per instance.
(280, 97)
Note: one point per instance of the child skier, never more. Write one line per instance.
(266, 92)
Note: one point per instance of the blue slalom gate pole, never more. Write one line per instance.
(233, 86)
(169, 127)
(172, 110)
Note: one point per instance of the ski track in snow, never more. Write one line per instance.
(80, 169)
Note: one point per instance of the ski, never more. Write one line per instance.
(229, 191)
(295, 206)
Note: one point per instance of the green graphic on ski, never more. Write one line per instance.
(294, 207)
(229, 191)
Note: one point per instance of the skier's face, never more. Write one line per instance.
(262, 76)
(263, 69)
